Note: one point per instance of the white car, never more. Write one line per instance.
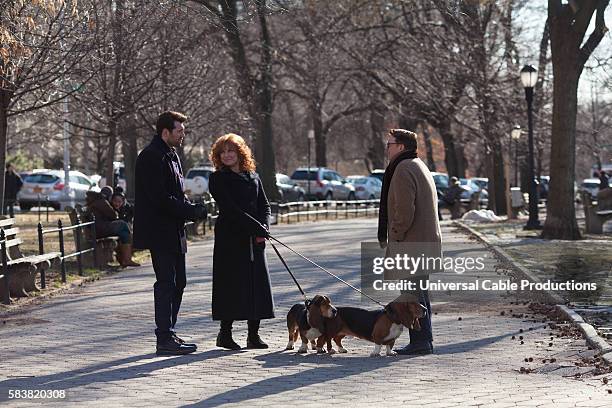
(196, 181)
(47, 188)
(366, 188)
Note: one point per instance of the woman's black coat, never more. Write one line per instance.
(241, 282)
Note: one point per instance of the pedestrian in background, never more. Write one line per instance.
(12, 185)
(124, 209)
(108, 224)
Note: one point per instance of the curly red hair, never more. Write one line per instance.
(232, 140)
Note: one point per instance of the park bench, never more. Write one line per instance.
(18, 273)
(596, 213)
(105, 247)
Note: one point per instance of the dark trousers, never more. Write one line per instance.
(9, 209)
(425, 334)
(168, 289)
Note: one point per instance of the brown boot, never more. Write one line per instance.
(125, 256)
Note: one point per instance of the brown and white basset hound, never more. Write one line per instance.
(308, 322)
(382, 327)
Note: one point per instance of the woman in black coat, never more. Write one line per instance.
(241, 283)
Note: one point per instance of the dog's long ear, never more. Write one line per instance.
(314, 316)
(408, 314)
(317, 300)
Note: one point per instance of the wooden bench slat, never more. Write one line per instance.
(44, 257)
(13, 242)
(11, 231)
(8, 222)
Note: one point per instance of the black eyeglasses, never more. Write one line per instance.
(392, 143)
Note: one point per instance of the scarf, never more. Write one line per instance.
(382, 210)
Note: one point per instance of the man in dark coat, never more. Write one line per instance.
(160, 211)
(12, 185)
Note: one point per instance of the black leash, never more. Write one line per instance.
(322, 268)
(308, 260)
(290, 273)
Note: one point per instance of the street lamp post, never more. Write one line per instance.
(310, 138)
(516, 135)
(529, 77)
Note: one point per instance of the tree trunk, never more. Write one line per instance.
(376, 147)
(4, 103)
(428, 147)
(499, 180)
(489, 166)
(561, 213)
(450, 153)
(319, 137)
(130, 153)
(255, 92)
(110, 153)
(265, 144)
(460, 154)
(408, 121)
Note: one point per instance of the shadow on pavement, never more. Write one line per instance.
(333, 367)
(104, 372)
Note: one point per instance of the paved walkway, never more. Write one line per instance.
(97, 344)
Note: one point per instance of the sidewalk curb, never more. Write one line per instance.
(589, 332)
(592, 338)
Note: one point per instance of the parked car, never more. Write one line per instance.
(196, 181)
(591, 186)
(366, 188)
(481, 182)
(378, 173)
(48, 187)
(324, 184)
(471, 187)
(288, 189)
(441, 181)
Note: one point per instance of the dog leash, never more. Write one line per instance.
(308, 260)
(306, 300)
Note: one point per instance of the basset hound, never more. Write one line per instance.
(308, 321)
(381, 327)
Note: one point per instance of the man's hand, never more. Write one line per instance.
(259, 240)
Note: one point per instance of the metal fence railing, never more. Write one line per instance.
(327, 209)
(78, 237)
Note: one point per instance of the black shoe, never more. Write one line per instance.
(171, 347)
(419, 349)
(255, 342)
(181, 341)
(224, 340)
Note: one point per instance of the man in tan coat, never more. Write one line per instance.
(409, 214)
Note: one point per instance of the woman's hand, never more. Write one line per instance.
(259, 240)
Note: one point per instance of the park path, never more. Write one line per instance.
(97, 343)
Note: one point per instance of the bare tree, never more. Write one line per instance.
(253, 72)
(568, 24)
(41, 43)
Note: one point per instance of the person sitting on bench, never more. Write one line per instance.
(108, 224)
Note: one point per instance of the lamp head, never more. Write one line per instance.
(529, 76)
